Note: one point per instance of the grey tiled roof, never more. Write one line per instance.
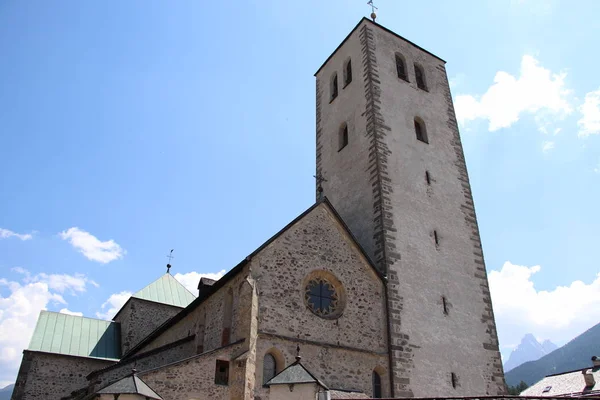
(294, 374)
(130, 385)
(342, 394)
(563, 384)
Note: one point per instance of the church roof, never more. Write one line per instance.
(76, 336)
(166, 290)
(294, 374)
(130, 385)
(381, 27)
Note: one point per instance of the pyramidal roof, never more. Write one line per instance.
(294, 374)
(166, 290)
(130, 385)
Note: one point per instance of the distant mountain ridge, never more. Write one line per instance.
(6, 392)
(529, 350)
(572, 356)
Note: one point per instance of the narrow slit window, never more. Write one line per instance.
(343, 137)
(376, 385)
(436, 238)
(427, 177)
(269, 368)
(454, 379)
(334, 86)
(420, 77)
(420, 131)
(445, 305)
(222, 373)
(401, 68)
(348, 73)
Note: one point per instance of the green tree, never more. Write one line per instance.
(516, 390)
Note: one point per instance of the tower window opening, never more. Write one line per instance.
(376, 385)
(427, 177)
(343, 137)
(454, 379)
(445, 305)
(420, 77)
(420, 131)
(334, 87)
(401, 67)
(436, 238)
(348, 73)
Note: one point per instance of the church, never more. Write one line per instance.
(378, 290)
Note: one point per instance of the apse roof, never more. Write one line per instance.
(130, 385)
(166, 290)
(76, 336)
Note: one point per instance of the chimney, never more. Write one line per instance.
(588, 376)
(596, 361)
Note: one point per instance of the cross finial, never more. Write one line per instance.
(320, 179)
(298, 358)
(170, 257)
(373, 8)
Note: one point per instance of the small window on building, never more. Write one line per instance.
(348, 72)
(420, 77)
(436, 238)
(343, 137)
(334, 87)
(454, 379)
(401, 67)
(222, 373)
(427, 177)
(420, 130)
(376, 386)
(547, 389)
(227, 319)
(269, 368)
(445, 305)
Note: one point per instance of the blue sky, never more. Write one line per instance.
(131, 128)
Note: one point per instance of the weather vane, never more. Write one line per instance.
(373, 8)
(170, 257)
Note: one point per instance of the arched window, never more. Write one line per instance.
(348, 72)
(200, 333)
(420, 130)
(376, 386)
(269, 368)
(401, 67)
(420, 77)
(343, 137)
(334, 86)
(227, 318)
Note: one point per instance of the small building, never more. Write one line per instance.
(578, 383)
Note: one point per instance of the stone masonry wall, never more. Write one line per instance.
(206, 320)
(139, 318)
(194, 378)
(317, 243)
(46, 376)
(336, 366)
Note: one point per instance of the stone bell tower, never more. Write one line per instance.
(390, 153)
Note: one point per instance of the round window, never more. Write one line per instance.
(323, 295)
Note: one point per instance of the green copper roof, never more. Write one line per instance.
(167, 290)
(76, 336)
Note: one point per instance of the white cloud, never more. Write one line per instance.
(559, 314)
(191, 279)
(536, 91)
(69, 312)
(589, 124)
(547, 146)
(20, 309)
(5, 234)
(113, 304)
(92, 248)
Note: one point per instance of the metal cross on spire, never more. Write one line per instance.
(373, 8)
(320, 179)
(170, 257)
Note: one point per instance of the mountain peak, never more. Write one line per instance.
(530, 349)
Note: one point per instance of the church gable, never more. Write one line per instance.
(316, 278)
